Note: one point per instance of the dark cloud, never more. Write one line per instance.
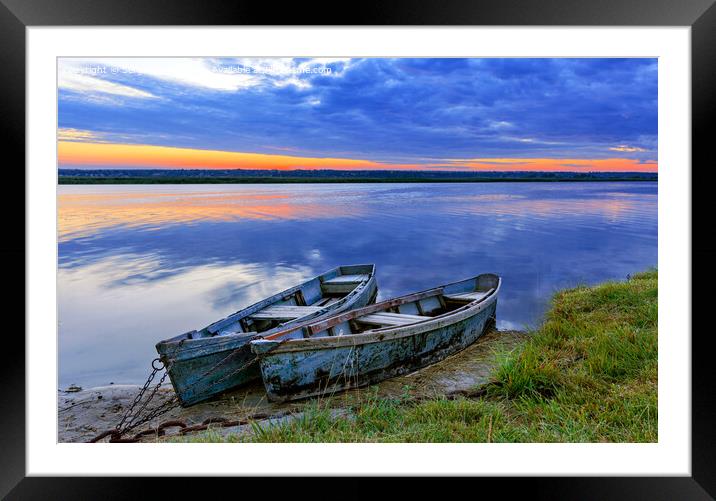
(399, 108)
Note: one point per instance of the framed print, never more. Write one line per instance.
(430, 242)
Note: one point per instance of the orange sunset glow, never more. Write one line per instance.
(116, 155)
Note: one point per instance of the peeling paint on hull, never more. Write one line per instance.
(300, 371)
(205, 367)
(194, 380)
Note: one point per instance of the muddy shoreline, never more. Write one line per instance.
(84, 414)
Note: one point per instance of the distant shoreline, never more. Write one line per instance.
(78, 180)
(253, 176)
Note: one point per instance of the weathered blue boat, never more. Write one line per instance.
(204, 362)
(376, 342)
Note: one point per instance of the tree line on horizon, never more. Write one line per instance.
(345, 174)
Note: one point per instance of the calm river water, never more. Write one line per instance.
(138, 264)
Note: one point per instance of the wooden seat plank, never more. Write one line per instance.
(326, 301)
(469, 296)
(346, 279)
(282, 312)
(386, 318)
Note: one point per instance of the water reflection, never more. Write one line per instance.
(84, 214)
(141, 263)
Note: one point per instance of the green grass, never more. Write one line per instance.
(588, 374)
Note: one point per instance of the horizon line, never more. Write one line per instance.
(94, 155)
(422, 171)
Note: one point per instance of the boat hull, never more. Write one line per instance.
(348, 362)
(222, 363)
(222, 367)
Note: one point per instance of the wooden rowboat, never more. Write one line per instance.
(376, 342)
(204, 362)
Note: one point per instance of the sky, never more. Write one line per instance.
(577, 115)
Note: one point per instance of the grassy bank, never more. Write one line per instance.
(588, 374)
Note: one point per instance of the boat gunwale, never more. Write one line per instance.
(274, 346)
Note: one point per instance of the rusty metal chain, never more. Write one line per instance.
(128, 414)
(172, 402)
(131, 420)
(163, 408)
(184, 429)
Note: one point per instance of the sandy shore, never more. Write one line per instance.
(84, 414)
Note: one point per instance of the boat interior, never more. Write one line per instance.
(402, 311)
(304, 300)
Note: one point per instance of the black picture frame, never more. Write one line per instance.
(700, 15)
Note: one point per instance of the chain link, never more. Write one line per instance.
(135, 420)
(137, 399)
(131, 419)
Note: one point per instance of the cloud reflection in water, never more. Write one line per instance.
(141, 263)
